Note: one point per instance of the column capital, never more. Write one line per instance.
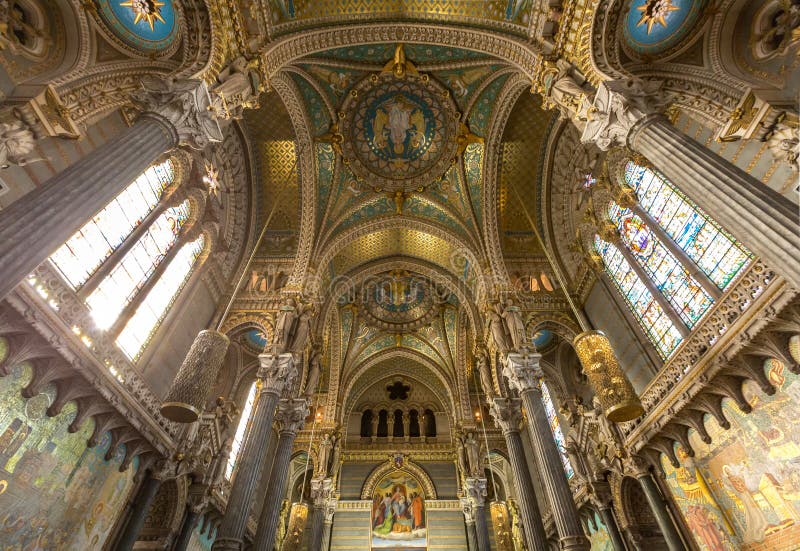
(321, 489)
(291, 414)
(330, 506)
(184, 104)
(522, 370)
(618, 107)
(507, 413)
(468, 509)
(276, 373)
(599, 493)
(475, 491)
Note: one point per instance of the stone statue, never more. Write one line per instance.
(482, 364)
(497, 328)
(285, 324)
(237, 88)
(302, 328)
(562, 89)
(324, 453)
(314, 371)
(16, 143)
(462, 463)
(226, 411)
(472, 449)
(515, 327)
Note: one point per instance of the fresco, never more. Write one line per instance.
(598, 535)
(742, 491)
(55, 493)
(398, 514)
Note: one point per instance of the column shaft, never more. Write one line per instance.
(607, 514)
(37, 224)
(187, 527)
(529, 508)
(659, 507)
(482, 529)
(472, 536)
(317, 520)
(565, 514)
(231, 531)
(327, 527)
(761, 218)
(270, 510)
(138, 512)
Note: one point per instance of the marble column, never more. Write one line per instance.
(659, 506)
(138, 512)
(290, 417)
(507, 413)
(475, 490)
(276, 372)
(33, 227)
(320, 494)
(327, 526)
(469, 523)
(187, 527)
(627, 113)
(524, 374)
(600, 497)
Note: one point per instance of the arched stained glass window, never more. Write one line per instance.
(714, 251)
(132, 272)
(682, 291)
(555, 427)
(85, 251)
(648, 312)
(155, 305)
(238, 438)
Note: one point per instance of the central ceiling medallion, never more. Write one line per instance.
(398, 302)
(400, 128)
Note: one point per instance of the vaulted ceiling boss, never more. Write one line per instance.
(494, 275)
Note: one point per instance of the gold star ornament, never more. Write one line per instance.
(147, 10)
(655, 11)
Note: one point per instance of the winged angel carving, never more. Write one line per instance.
(396, 121)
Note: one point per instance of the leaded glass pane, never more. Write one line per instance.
(84, 252)
(155, 305)
(648, 312)
(238, 438)
(132, 272)
(555, 428)
(682, 290)
(714, 251)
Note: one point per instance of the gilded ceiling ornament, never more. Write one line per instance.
(655, 11)
(145, 10)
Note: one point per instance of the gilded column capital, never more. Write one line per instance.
(619, 106)
(291, 414)
(277, 373)
(475, 491)
(507, 413)
(184, 105)
(523, 370)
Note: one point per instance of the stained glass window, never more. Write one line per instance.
(238, 438)
(85, 251)
(555, 427)
(714, 251)
(155, 305)
(648, 312)
(685, 294)
(132, 272)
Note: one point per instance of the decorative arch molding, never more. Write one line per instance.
(357, 393)
(558, 323)
(431, 271)
(387, 354)
(506, 100)
(524, 55)
(241, 321)
(409, 467)
(304, 152)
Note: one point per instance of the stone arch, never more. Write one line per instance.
(409, 467)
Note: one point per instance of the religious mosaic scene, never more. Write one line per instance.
(399, 275)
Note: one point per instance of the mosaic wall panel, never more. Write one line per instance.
(597, 532)
(743, 490)
(55, 493)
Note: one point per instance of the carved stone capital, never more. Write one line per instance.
(600, 494)
(291, 414)
(468, 509)
(507, 413)
(277, 372)
(475, 491)
(321, 489)
(523, 371)
(618, 107)
(184, 105)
